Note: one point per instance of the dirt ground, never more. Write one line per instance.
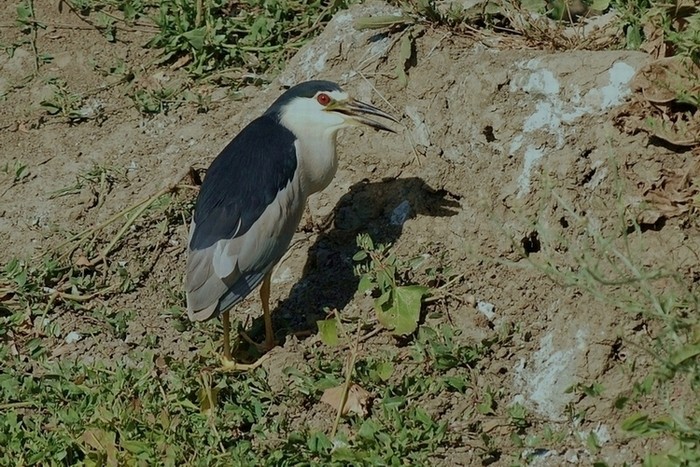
(504, 160)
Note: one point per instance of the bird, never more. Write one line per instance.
(254, 194)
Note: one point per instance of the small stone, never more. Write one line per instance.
(73, 337)
(487, 309)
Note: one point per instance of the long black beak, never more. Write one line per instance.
(359, 111)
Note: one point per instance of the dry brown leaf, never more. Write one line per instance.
(673, 194)
(82, 262)
(662, 80)
(181, 62)
(357, 402)
(660, 85)
(654, 43)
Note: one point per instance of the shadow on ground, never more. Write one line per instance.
(328, 281)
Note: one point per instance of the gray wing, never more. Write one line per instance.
(224, 273)
(242, 221)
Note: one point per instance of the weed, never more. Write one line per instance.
(397, 306)
(609, 270)
(70, 105)
(253, 38)
(29, 25)
(18, 171)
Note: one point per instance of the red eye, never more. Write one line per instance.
(323, 99)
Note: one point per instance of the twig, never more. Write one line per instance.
(140, 207)
(348, 381)
(35, 36)
(16, 405)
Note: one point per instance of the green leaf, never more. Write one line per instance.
(368, 429)
(318, 442)
(634, 37)
(328, 330)
(366, 283)
(134, 447)
(399, 309)
(24, 13)
(638, 423)
(360, 255)
(534, 6)
(196, 37)
(600, 5)
(688, 352)
(408, 304)
(50, 107)
(385, 370)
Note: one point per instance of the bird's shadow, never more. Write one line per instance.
(328, 280)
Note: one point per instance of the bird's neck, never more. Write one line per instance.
(318, 162)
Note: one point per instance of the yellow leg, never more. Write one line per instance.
(227, 335)
(227, 361)
(267, 316)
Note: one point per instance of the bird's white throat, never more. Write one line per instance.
(318, 162)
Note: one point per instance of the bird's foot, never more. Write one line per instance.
(229, 365)
(263, 347)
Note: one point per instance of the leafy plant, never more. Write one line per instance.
(68, 104)
(397, 306)
(252, 37)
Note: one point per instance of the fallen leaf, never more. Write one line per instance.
(83, 262)
(673, 194)
(357, 401)
(664, 80)
(665, 105)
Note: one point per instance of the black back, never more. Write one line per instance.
(243, 180)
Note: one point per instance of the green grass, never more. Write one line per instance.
(174, 412)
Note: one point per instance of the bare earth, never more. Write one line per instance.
(505, 160)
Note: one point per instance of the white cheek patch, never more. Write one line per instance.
(305, 117)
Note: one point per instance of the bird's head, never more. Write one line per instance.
(323, 106)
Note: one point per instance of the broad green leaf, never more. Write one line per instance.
(385, 370)
(558, 10)
(24, 13)
(638, 423)
(366, 283)
(360, 255)
(686, 353)
(600, 5)
(634, 37)
(368, 429)
(408, 304)
(399, 308)
(134, 447)
(318, 442)
(328, 330)
(196, 37)
(534, 6)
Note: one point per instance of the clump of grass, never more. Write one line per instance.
(252, 38)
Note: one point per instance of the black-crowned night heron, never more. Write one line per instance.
(254, 195)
